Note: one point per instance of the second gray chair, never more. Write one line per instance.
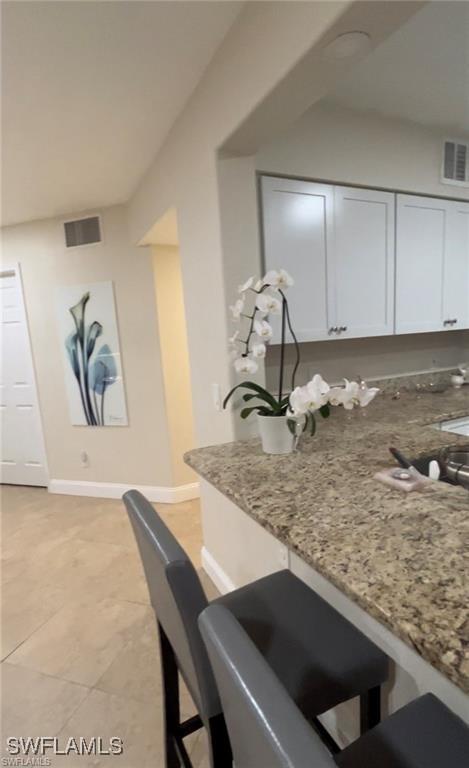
(320, 657)
(267, 729)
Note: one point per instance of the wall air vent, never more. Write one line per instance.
(82, 231)
(455, 168)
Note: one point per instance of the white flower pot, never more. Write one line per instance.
(275, 435)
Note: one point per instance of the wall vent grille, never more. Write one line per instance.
(82, 231)
(455, 168)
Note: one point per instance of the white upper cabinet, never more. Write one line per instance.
(420, 250)
(361, 285)
(366, 262)
(432, 265)
(456, 268)
(297, 217)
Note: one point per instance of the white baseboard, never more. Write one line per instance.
(216, 573)
(162, 494)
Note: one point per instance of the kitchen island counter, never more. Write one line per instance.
(402, 557)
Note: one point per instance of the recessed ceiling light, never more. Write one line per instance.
(347, 45)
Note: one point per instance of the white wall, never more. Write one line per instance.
(139, 453)
(174, 358)
(265, 42)
(264, 64)
(333, 143)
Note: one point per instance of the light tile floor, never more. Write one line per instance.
(79, 647)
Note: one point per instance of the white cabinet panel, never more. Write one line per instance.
(432, 264)
(297, 218)
(366, 262)
(420, 252)
(362, 274)
(456, 268)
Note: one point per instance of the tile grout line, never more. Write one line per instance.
(28, 637)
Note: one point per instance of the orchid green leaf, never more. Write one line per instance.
(261, 393)
(259, 408)
(325, 411)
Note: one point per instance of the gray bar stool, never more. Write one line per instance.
(320, 657)
(267, 730)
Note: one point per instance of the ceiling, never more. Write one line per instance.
(420, 73)
(89, 93)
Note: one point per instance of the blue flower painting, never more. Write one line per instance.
(92, 360)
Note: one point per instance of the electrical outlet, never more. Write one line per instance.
(85, 462)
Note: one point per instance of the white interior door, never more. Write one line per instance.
(298, 218)
(23, 460)
(362, 275)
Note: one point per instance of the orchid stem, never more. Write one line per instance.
(297, 346)
(282, 349)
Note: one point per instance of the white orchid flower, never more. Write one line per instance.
(268, 305)
(259, 350)
(357, 394)
(366, 394)
(336, 396)
(311, 397)
(245, 365)
(350, 395)
(246, 286)
(258, 285)
(263, 329)
(298, 401)
(278, 279)
(237, 308)
(317, 391)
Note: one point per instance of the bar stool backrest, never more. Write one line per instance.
(177, 598)
(264, 724)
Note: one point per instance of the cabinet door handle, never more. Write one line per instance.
(332, 330)
(451, 322)
(342, 328)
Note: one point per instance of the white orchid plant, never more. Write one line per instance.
(317, 395)
(257, 300)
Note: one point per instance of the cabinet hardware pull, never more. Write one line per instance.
(333, 329)
(342, 328)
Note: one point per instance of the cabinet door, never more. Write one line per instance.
(456, 268)
(361, 288)
(422, 223)
(297, 224)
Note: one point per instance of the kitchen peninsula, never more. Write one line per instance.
(395, 564)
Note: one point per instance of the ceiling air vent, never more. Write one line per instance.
(82, 232)
(455, 163)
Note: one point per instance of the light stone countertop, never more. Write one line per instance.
(402, 557)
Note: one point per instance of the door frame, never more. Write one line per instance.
(15, 266)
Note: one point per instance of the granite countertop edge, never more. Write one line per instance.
(290, 529)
